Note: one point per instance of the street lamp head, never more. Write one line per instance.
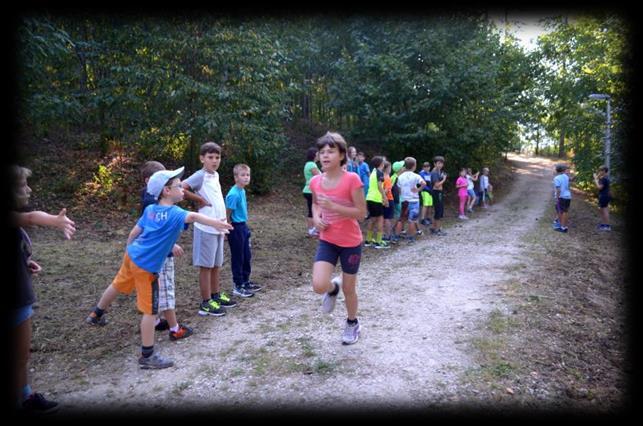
(599, 96)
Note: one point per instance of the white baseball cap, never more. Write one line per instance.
(159, 179)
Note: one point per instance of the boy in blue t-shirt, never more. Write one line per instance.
(167, 299)
(239, 236)
(148, 244)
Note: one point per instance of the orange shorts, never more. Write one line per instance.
(131, 276)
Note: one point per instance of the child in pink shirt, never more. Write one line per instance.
(338, 203)
(461, 185)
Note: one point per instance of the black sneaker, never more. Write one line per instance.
(154, 362)
(242, 291)
(37, 404)
(162, 325)
(224, 300)
(252, 286)
(211, 307)
(93, 319)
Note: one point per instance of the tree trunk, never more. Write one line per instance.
(561, 144)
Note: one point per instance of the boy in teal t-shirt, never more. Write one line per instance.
(239, 236)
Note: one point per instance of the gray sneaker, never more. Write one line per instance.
(328, 301)
(155, 361)
(351, 334)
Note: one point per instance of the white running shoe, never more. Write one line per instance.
(328, 301)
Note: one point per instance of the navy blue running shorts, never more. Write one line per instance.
(349, 256)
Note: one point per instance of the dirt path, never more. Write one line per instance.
(419, 306)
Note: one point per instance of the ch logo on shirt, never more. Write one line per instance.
(157, 216)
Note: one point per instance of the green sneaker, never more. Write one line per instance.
(211, 307)
(224, 300)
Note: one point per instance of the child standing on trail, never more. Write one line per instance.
(364, 171)
(485, 187)
(389, 211)
(411, 184)
(21, 305)
(207, 244)
(376, 200)
(461, 185)
(148, 244)
(239, 236)
(167, 298)
(310, 170)
(471, 178)
(438, 177)
(602, 181)
(563, 196)
(338, 204)
(425, 195)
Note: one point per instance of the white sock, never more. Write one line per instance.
(175, 328)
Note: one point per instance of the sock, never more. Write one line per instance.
(214, 296)
(334, 292)
(369, 235)
(351, 322)
(147, 351)
(175, 328)
(158, 321)
(205, 301)
(99, 312)
(378, 237)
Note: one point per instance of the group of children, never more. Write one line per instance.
(148, 264)
(563, 197)
(396, 195)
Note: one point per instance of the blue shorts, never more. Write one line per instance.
(410, 210)
(349, 256)
(604, 200)
(471, 193)
(389, 211)
(20, 315)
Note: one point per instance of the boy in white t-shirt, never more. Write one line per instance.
(410, 185)
(204, 188)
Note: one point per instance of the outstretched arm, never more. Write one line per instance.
(219, 224)
(61, 221)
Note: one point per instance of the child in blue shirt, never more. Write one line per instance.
(563, 195)
(239, 236)
(148, 244)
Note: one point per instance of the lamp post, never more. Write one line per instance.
(601, 96)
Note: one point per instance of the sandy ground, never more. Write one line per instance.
(419, 305)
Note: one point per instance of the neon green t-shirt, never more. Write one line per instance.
(374, 193)
(308, 174)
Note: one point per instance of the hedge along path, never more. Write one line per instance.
(419, 306)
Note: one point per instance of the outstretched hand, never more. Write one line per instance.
(65, 224)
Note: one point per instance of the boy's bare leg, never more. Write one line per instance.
(147, 329)
(170, 316)
(349, 283)
(204, 282)
(22, 340)
(215, 286)
(109, 295)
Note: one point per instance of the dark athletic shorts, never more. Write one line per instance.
(349, 256)
(375, 208)
(438, 205)
(563, 204)
(604, 200)
(309, 202)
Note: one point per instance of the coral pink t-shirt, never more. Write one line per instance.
(341, 231)
(462, 192)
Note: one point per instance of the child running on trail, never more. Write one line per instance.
(148, 244)
(338, 204)
(461, 185)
